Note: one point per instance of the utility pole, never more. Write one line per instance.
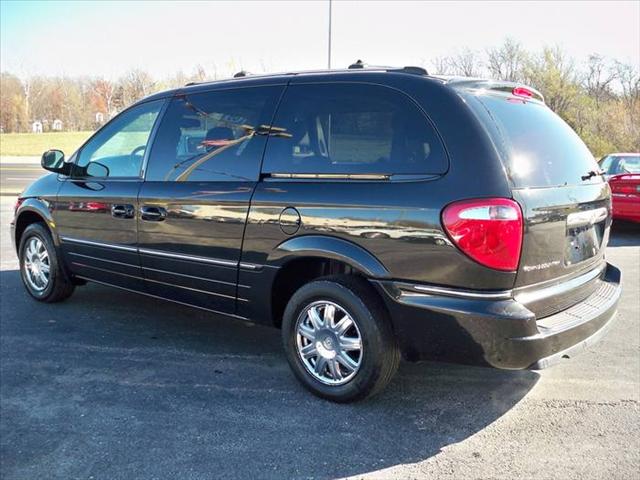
(329, 53)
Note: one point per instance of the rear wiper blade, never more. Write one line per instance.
(592, 173)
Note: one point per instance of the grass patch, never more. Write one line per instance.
(33, 144)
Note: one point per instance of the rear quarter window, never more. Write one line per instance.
(537, 147)
(343, 128)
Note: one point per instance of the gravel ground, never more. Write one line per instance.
(117, 386)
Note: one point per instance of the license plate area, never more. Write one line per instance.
(583, 242)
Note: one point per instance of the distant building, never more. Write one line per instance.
(36, 127)
(57, 125)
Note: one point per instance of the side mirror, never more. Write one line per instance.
(53, 160)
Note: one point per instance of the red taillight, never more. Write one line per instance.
(487, 230)
(625, 188)
(628, 184)
(522, 92)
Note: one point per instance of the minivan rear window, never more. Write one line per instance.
(538, 148)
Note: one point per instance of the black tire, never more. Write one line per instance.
(59, 286)
(380, 354)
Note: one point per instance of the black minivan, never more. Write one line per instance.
(369, 213)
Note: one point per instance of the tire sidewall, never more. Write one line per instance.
(372, 339)
(37, 230)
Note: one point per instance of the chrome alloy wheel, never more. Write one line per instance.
(37, 264)
(328, 342)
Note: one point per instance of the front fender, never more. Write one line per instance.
(41, 207)
(329, 247)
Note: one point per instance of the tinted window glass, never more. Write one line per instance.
(606, 164)
(352, 128)
(213, 136)
(117, 149)
(628, 164)
(539, 148)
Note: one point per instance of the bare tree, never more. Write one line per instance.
(554, 74)
(598, 78)
(507, 62)
(629, 81)
(441, 66)
(135, 85)
(466, 63)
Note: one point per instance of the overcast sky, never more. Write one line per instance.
(109, 38)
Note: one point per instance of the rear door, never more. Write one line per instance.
(566, 205)
(96, 207)
(193, 205)
(346, 161)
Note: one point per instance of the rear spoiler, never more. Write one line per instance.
(509, 88)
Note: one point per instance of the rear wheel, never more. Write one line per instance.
(40, 267)
(338, 339)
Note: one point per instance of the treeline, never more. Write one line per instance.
(82, 103)
(599, 97)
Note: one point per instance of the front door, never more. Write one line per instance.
(202, 171)
(96, 208)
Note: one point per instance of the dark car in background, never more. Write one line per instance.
(623, 173)
(369, 213)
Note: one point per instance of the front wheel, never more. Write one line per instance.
(338, 339)
(40, 266)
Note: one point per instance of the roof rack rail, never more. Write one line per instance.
(412, 69)
(359, 64)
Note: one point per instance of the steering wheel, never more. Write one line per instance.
(136, 150)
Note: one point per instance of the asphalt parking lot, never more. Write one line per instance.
(117, 386)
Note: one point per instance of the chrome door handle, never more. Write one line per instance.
(122, 211)
(152, 214)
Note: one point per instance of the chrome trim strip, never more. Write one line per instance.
(192, 258)
(250, 266)
(98, 244)
(130, 265)
(587, 217)
(559, 288)
(239, 317)
(230, 297)
(106, 270)
(194, 277)
(499, 295)
(331, 176)
(160, 253)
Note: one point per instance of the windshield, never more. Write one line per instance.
(538, 148)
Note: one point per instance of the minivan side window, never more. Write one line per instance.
(344, 128)
(117, 150)
(213, 136)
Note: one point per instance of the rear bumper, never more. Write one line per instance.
(497, 331)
